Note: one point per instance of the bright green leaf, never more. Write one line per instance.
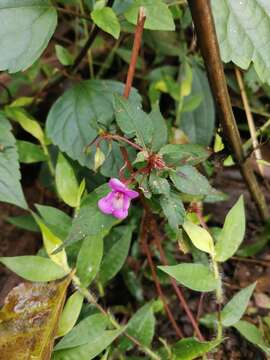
(199, 237)
(66, 182)
(232, 233)
(236, 307)
(34, 268)
(10, 187)
(63, 55)
(197, 277)
(89, 259)
(51, 243)
(70, 314)
(30, 153)
(158, 15)
(106, 20)
(27, 28)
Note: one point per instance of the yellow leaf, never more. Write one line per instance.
(200, 237)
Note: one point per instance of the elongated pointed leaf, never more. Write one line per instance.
(236, 307)
(117, 245)
(232, 233)
(24, 40)
(70, 314)
(197, 277)
(89, 259)
(200, 237)
(29, 320)
(10, 187)
(34, 268)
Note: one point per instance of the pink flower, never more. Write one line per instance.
(117, 202)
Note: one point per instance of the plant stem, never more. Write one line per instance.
(72, 13)
(207, 39)
(91, 299)
(250, 120)
(260, 131)
(146, 250)
(135, 51)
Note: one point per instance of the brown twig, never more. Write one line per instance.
(177, 290)
(135, 51)
(146, 250)
(72, 13)
(207, 39)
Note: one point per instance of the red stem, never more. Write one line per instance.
(146, 250)
(177, 290)
(135, 51)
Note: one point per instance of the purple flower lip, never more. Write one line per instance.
(117, 202)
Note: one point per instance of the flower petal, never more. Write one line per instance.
(117, 185)
(105, 203)
(132, 194)
(120, 213)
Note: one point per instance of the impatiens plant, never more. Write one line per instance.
(109, 108)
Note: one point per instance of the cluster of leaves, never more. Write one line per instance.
(93, 133)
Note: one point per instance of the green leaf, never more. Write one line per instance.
(25, 222)
(88, 329)
(30, 153)
(242, 29)
(30, 315)
(74, 120)
(141, 326)
(125, 55)
(10, 187)
(106, 20)
(252, 334)
(133, 121)
(173, 209)
(183, 154)
(158, 184)
(188, 180)
(56, 220)
(27, 122)
(160, 134)
(199, 124)
(236, 307)
(232, 233)
(63, 55)
(70, 314)
(158, 15)
(197, 277)
(66, 182)
(23, 41)
(199, 237)
(90, 350)
(89, 259)
(191, 348)
(34, 268)
(51, 243)
(90, 220)
(116, 245)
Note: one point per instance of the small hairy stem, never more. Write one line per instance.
(92, 300)
(207, 39)
(135, 51)
(250, 120)
(146, 250)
